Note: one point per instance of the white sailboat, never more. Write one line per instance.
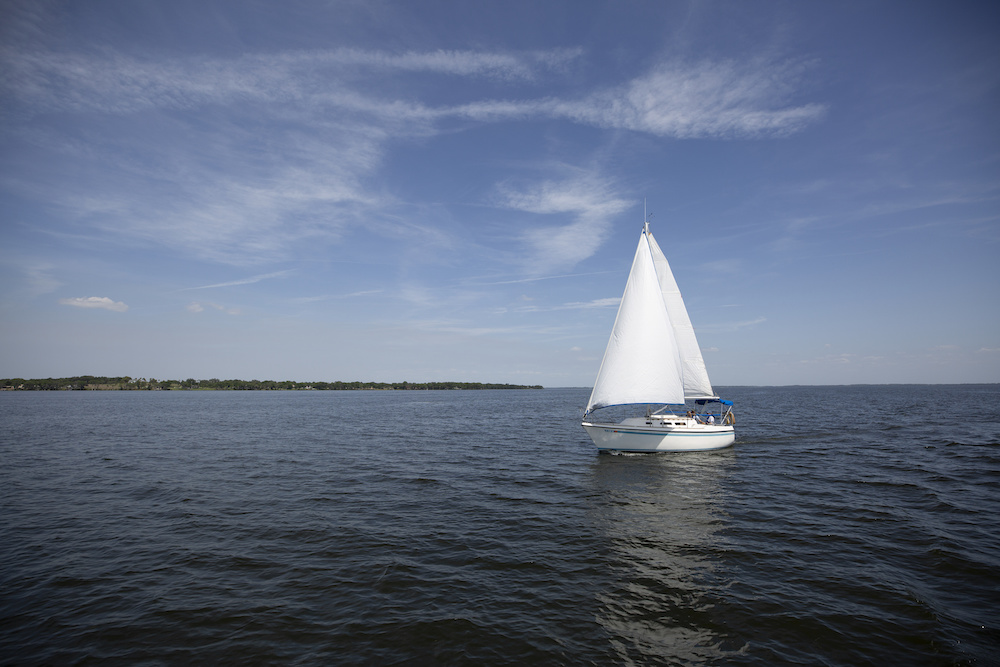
(653, 360)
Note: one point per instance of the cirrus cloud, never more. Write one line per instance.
(589, 201)
(207, 183)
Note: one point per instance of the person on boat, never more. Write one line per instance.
(711, 420)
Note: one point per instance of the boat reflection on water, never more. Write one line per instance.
(662, 517)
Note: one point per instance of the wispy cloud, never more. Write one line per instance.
(575, 305)
(243, 281)
(112, 82)
(708, 99)
(587, 199)
(678, 99)
(328, 297)
(199, 307)
(462, 329)
(203, 180)
(731, 326)
(101, 302)
(725, 99)
(534, 279)
(504, 66)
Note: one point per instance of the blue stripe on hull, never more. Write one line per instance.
(664, 435)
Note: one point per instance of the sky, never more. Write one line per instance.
(426, 191)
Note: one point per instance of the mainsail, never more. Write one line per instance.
(694, 373)
(642, 363)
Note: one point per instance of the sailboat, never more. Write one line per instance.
(653, 360)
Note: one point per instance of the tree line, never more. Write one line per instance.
(92, 382)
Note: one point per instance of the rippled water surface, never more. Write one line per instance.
(848, 526)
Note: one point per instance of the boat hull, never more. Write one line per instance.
(625, 437)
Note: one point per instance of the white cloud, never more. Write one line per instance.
(611, 302)
(462, 329)
(95, 302)
(678, 99)
(535, 279)
(596, 303)
(115, 83)
(243, 281)
(523, 65)
(327, 297)
(199, 307)
(213, 185)
(588, 200)
(731, 326)
(709, 99)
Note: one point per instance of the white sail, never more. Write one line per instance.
(696, 382)
(641, 363)
(653, 358)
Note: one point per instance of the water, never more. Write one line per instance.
(848, 526)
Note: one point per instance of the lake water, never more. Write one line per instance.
(848, 526)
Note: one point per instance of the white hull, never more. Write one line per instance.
(639, 435)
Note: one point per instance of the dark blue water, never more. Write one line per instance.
(848, 526)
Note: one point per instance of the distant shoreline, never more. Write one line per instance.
(125, 383)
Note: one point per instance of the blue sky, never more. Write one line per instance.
(427, 191)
